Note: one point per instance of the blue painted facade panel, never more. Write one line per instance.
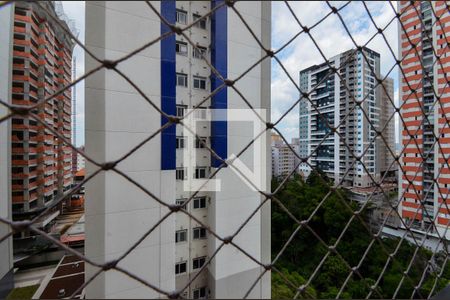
(168, 87)
(219, 59)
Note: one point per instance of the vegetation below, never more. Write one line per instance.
(306, 251)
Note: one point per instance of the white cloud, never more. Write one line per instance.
(330, 36)
(332, 39)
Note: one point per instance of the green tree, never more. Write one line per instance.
(283, 288)
(298, 201)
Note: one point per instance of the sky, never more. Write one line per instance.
(75, 11)
(330, 36)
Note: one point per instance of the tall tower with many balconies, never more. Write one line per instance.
(41, 66)
(333, 104)
(423, 37)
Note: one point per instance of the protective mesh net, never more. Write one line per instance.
(419, 272)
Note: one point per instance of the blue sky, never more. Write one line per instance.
(330, 36)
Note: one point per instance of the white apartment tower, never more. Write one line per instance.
(173, 75)
(334, 97)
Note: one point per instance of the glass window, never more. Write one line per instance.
(199, 293)
(198, 142)
(200, 113)
(200, 173)
(181, 48)
(181, 16)
(198, 52)
(181, 236)
(181, 79)
(180, 267)
(180, 174)
(198, 262)
(181, 109)
(200, 24)
(199, 202)
(199, 233)
(199, 82)
(181, 202)
(180, 142)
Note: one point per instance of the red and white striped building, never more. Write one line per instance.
(425, 98)
(41, 66)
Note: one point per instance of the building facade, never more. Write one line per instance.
(41, 65)
(334, 97)
(284, 159)
(424, 185)
(387, 123)
(6, 256)
(78, 160)
(174, 76)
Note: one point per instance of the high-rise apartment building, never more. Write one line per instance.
(174, 76)
(387, 125)
(284, 160)
(41, 66)
(334, 97)
(423, 38)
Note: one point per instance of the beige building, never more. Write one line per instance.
(387, 125)
(284, 159)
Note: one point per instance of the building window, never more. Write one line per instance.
(181, 109)
(200, 82)
(199, 202)
(180, 142)
(199, 233)
(19, 48)
(180, 173)
(200, 173)
(199, 52)
(200, 24)
(180, 267)
(181, 236)
(200, 142)
(181, 48)
(198, 262)
(200, 113)
(199, 293)
(181, 202)
(181, 16)
(181, 79)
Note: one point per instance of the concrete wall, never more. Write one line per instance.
(6, 262)
(118, 118)
(231, 271)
